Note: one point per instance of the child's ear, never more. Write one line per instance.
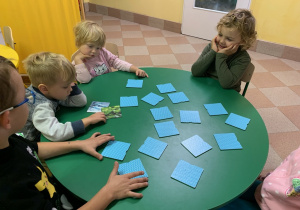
(43, 88)
(5, 121)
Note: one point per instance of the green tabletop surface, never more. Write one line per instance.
(226, 173)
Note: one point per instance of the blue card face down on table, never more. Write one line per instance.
(116, 150)
(132, 166)
(127, 101)
(187, 173)
(152, 99)
(166, 88)
(196, 145)
(153, 147)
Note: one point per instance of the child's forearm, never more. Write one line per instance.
(51, 149)
(133, 69)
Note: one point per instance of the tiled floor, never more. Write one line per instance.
(274, 90)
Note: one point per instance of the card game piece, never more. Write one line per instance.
(196, 145)
(178, 97)
(189, 116)
(161, 113)
(112, 112)
(237, 121)
(135, 83)
(166, 129)
(152, 98)
(116, 150)
(153, 147)
(132, 166)
(215, 109)
(96, 106)
(187, 173)
(227, 141)
(128, 101)
(166, 88)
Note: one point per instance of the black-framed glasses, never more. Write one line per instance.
(28, 99)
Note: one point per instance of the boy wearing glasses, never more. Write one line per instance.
(23, 181)
(52, 77)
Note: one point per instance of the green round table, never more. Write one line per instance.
(226, 173)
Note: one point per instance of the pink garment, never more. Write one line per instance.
(281, 189)
(98, 65)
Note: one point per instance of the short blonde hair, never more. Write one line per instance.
(244, 22)
(89, 31)
(46, 68)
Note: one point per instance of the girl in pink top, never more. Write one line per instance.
(281, 189)
(92, 59)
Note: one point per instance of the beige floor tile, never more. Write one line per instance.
(258, 99)
(273, 161)
(186, 67)
(183, 48)
(125, 22)
(177, 40)
(156, 41)
(274, 65)
(156, 33)
(258, 67)
(105, 17)
(148, 28)
(265, 80)
(130, 28)
(260, 56)
(170, 34)
(281, 96)
(136, 50)
(275, 121)
(159, 49)
(289, 78)
(110, 22)
(139, 60)
(113, 34)
(170, 66)
(199, 47)
(186, 58)
(294, 64)
(296, 89)
(88, 14)
(111, 28)
(165, 59)
(132, 34)
(194, 40)
(134, 42)
(284, 143)
(118, 42)
(291, 112)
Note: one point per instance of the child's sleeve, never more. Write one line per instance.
(115, 62)
(206, 58)
(82, 73)
(230, 74)
(45, 121)
(76, 98)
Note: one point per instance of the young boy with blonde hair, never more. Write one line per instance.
(92, 59)
(52, 84)
(24, 183)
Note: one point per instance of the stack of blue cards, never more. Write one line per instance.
(132, 166)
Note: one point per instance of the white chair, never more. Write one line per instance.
(8, 37)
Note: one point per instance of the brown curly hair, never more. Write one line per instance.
(244, 21)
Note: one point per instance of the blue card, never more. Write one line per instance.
(237, 121)
(166, 88)
(227, 141)
(135, 83)
(166, 129)
(196, 145)
(132, 166)
(161, 113)
(190, 116)
(152, 98)
(215, 109)
(128, 101)
(178, 97)
(153, 147)
(116, 150)
(187, 173)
